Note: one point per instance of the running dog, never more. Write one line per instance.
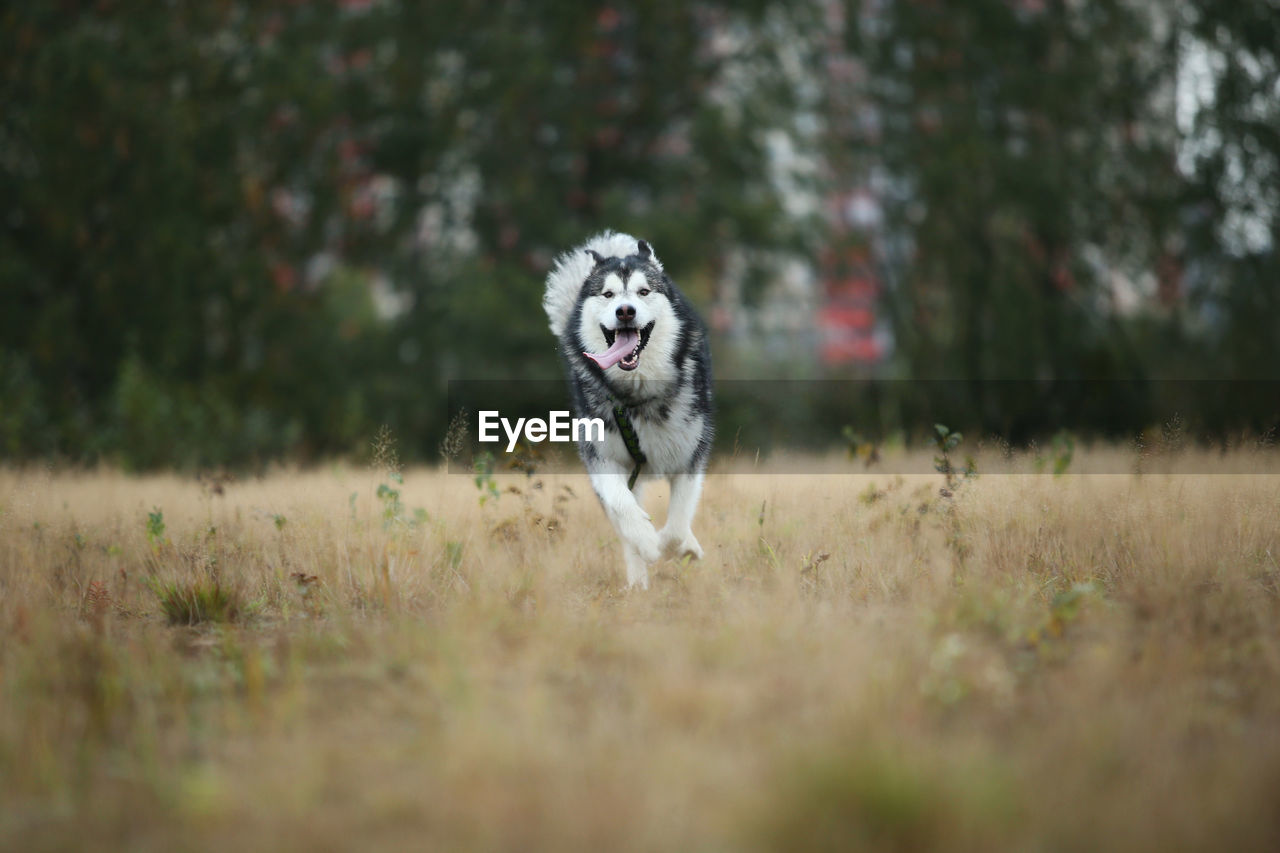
(636, 356)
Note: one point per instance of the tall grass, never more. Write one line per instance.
(1032, 662)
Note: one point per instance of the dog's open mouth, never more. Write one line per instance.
(625, 346)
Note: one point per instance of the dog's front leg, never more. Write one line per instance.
(676, 538)
(639, 539)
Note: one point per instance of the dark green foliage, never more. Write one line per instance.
(1008, 127)
(1232, 200)
(190, 247)
(1032, 154)
(198, 268)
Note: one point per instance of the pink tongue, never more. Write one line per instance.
(623, 344)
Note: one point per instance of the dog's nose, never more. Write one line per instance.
(626, 313)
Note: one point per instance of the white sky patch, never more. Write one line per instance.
(1248, 185)
(1197, 85)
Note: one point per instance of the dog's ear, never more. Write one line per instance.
(643, 250)
(595, 256)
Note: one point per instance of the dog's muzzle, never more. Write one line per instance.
(625, 345)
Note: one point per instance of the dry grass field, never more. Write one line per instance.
(1073, 663)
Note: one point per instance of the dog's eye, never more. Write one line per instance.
(608, 294)
(644, 291)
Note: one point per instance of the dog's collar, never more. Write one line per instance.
(630, 439)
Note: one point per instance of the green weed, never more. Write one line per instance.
(155, 528)
(199, 601)
(483, 467)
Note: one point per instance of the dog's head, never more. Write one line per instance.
(625, 310)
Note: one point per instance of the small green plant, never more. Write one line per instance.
(860, 448)
(946, 441)
(155, 528)
(768, 550)
(1064, 608)
(453, 550)
(390, 500)
(198, 601)
(393, 510)
(483, 467)
(1062, 449)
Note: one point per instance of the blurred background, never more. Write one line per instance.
(238, 232)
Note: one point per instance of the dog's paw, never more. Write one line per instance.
(679, 545)
(643, 540)
(637, 569)
(648, 548)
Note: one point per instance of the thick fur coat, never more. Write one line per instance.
(635, 351)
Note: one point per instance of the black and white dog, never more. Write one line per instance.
(636, 355)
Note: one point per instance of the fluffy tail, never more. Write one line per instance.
(571, 269)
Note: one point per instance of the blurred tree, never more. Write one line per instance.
(1230, 57)
(233, 230)
(1027, 151)
(239, 230)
